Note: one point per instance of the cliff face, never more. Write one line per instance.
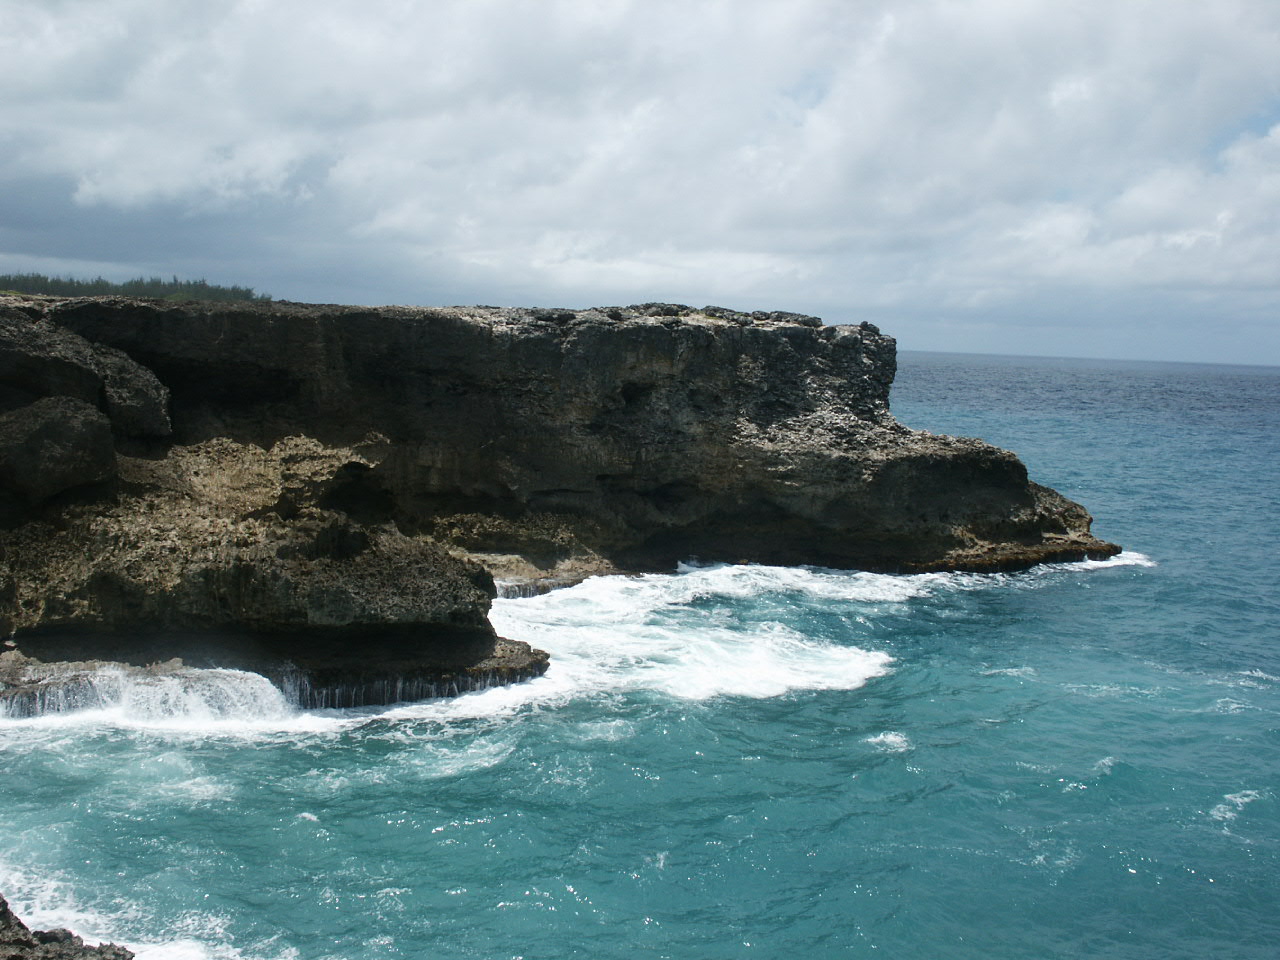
(267, 467)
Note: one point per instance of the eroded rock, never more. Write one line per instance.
(18, 942)
(198, 559)
(622, 438)
(42, 359)
(340, 482)
(53, 445)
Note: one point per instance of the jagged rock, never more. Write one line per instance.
(40, 359)
(331, 470)
(17, 942)
(622, 438)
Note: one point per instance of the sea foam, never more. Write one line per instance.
(662, 633)
(665, 633)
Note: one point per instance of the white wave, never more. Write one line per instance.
(46, 901)
(1022, 673)
(745, 581)
(187, 949)
(1229, 705)
(196, 935)
(605, 730)
(438, 762)
(1256, 674)
(1234, 803)
(1125, 558)
(202, 789)
(670, 633)
(891, 741)
(187, 696)
(748, 580)
(631, 633)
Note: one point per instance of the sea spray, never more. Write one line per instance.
(661, 632)
(186, 695)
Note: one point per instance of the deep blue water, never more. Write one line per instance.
(1079, 760)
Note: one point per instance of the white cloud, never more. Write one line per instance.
(911, 159)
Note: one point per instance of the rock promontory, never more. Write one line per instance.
(327, 492)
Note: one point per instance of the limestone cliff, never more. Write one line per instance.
(316, 474)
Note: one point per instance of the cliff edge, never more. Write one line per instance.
(330, 489)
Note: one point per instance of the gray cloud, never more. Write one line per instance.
(1085, 178)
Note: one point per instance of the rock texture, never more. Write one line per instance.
(333, 486)
(52, 445)
(17, 942)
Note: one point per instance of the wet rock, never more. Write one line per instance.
(17, 942)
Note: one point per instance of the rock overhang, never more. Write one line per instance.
(543, 442)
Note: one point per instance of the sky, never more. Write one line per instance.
(1090, 178)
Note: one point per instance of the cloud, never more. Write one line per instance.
(938, 164)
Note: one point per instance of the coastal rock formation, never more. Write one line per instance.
(222, 554)
(17, 942)
(332, 487)
(52, 445)
(44, 360)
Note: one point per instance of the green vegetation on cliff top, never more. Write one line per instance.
(174, 289)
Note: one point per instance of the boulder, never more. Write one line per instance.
(52, 445)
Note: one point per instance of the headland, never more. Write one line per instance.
(326, 494)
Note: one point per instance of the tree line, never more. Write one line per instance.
(158, 287)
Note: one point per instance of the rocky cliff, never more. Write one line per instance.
(331, 488)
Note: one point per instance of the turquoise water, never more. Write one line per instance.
(1079, 760)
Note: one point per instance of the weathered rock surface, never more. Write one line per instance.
(17, 942)
(220, 553)
(52, 445)
(295, 481)
(42, 359)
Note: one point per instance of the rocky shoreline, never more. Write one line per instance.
(18, 942)
(324, 494)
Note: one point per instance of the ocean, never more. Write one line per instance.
(1080, 760)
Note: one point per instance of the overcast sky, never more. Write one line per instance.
(1066, 177)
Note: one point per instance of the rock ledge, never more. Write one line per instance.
(324, 494)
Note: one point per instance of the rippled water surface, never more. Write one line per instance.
(1079, 760)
